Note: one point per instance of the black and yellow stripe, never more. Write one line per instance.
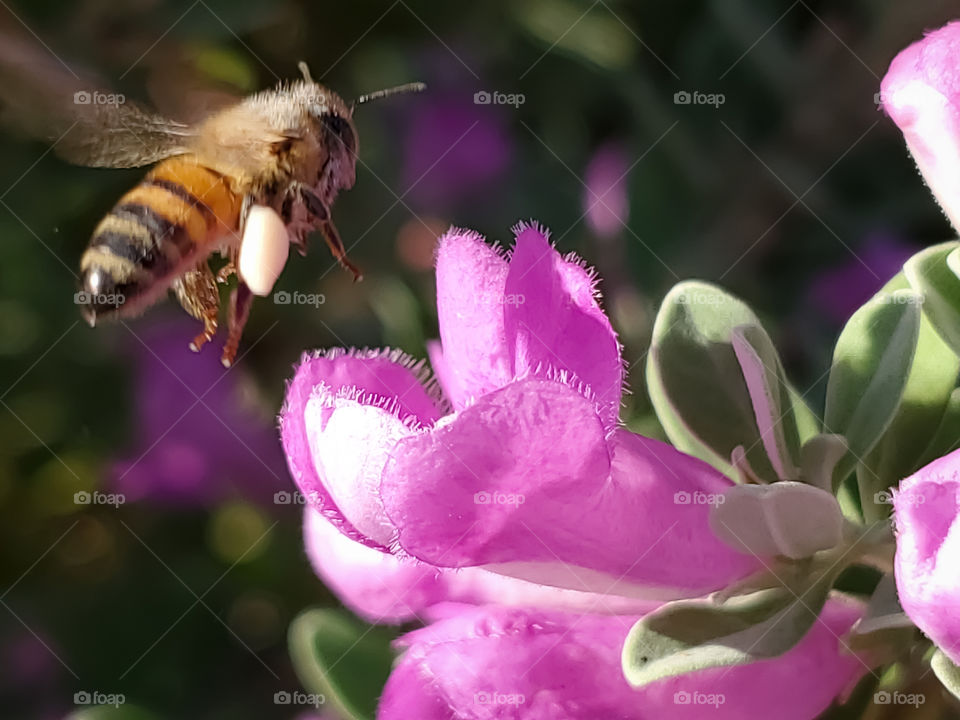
(160, 227)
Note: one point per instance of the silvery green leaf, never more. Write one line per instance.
(819, 457)
(695, 380)
(690, 635)
(946, 672)
(932, 378)
(770, 397)
(930, 275)
(871, 364)
(787, 518)
(946, 438)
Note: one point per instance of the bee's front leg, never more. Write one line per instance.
(318, 215)
(196, 291)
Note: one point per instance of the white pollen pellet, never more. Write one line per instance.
(263, 249)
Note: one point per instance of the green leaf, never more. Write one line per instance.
(931, 276)
(695, 381)
(871, 364)
(818, 459)
(946, 672)
(932, 378)
(787, 518)
(946, 438)
(690, 635)
(770, 396)
(338, 657)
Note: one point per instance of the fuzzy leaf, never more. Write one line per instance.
(818, 459)
(932, 378)
(787, 518)
(695, 380)
(689, 635)
(871, 364)
(770, 396)
(931, 276)
(946, 672)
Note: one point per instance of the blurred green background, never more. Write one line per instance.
(795, 193)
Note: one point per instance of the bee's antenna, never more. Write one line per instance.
(413, 87)
(305, 71)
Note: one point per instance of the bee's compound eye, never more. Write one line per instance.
(99, 294)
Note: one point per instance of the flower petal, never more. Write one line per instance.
(502, 663)
(470, 288)
(524, 479)
(927, 513)
(507, 663)
(343, 413)
(553, 319)
(384, 588)
(921, 93)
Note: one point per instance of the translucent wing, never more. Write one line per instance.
(46, 99)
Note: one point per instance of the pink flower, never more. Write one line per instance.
(519, 464)
(506, 507)
(921, 92)
(927, 566)
(505, 663)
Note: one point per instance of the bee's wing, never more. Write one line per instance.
(49, 100)
(120, 136)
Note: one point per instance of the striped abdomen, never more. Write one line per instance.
(157, 231)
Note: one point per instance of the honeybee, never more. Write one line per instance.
(290, 149)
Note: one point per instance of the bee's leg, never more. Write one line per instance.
(320, 215)
(228, 270)
(196, 291)
(237, 313)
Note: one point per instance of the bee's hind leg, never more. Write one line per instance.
(196, 291)
(237, 313)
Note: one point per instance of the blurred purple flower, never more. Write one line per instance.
(452, 147)
(187, 450)
(921, 93)
(838, 291)
(927, 565)
(605, 199)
